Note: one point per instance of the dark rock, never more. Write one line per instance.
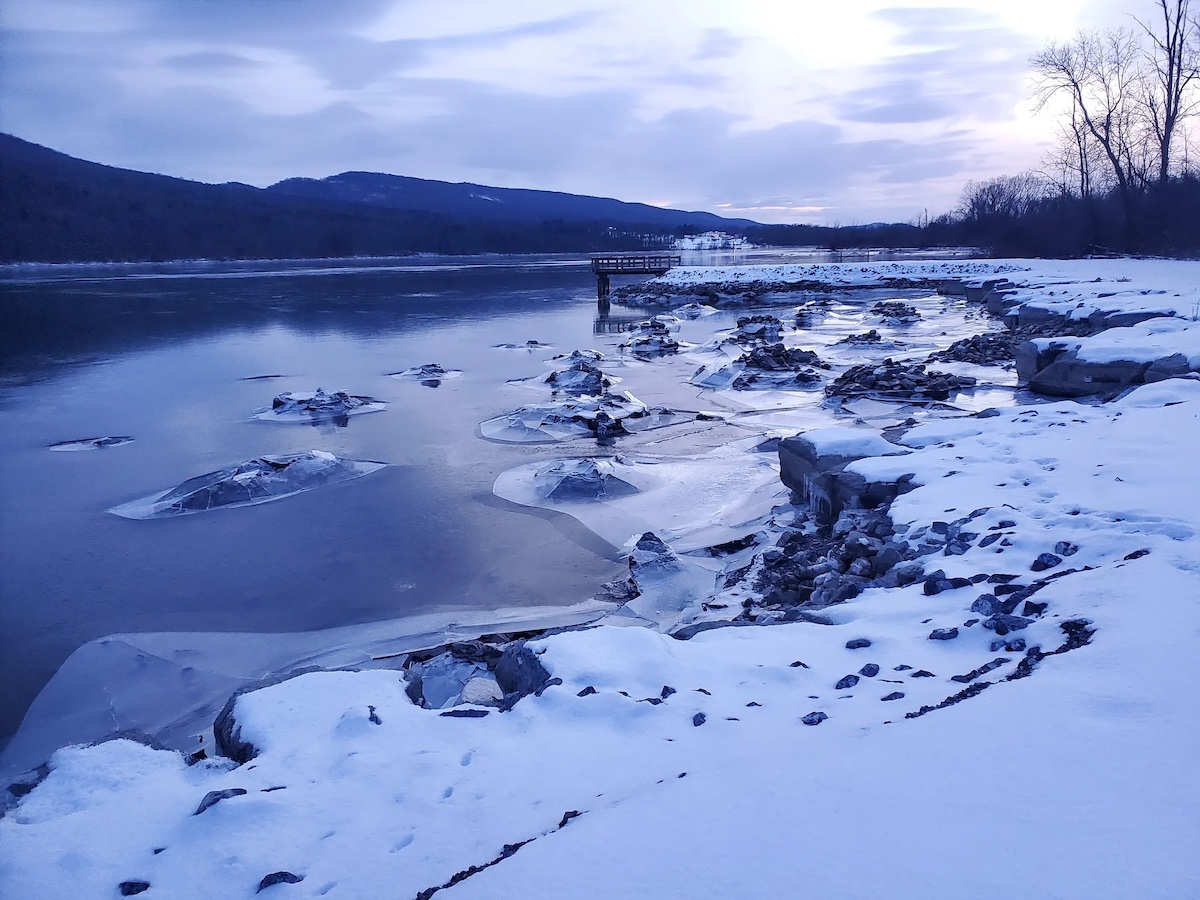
(922, 673)
(1045, 561)
(982, 670)
(814, 718)
(897, 381)
(870, 670)
(373, 717)
(857, 644)
(1066, 548)
(986, 605)
(586, 692)
(943, 634)
(1003, 624)
(133, 888)
(518, 671)
(212, 798)
(1015, 646)
(901, 668)
(1137, 554)
(464, 713)
(966, 693)
(990, 539)
(894, 695)
(970, 622)
(667, 691)
(1033, 609)
(895, 311)
(798, 664)
(278, 878)
(848, 682)
(987, 349)
(699, 719)
(572, 814)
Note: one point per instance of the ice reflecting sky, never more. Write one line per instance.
(778, 110)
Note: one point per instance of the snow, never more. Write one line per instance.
(1073, 782)
(839, 440)
(1144, 342)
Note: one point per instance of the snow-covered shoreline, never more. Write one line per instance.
(927, 742)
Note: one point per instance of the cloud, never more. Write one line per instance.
(718, 43)
(209, 60)
(259, 91)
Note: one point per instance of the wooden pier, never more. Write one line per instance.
(629, 264)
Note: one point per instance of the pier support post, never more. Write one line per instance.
(602, 286)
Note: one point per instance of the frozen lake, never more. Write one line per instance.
(173, 356)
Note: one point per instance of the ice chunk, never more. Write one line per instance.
(96, 443)
(431, 374)
(255, 481)
(317, 407)
(580, 479)
(599, 417)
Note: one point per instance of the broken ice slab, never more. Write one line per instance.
(245, 484)
(593, 356)
(653, 337)
(581, 377)
(317, 407)
(427, 372)
(601, 417)
(581, 479)
(694, 311)
(95, 443)
(528, 345)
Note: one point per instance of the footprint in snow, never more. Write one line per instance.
(447, 793)
(402, 843)
(466, 759)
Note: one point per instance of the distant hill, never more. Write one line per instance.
(478, 201)
(56, 208)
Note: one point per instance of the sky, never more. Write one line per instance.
(823, 111)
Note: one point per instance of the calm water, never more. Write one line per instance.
(163, 353)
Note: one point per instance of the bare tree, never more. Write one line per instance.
(1006, 197)
(1101, 76)
(1173, 61)
(1076, 165)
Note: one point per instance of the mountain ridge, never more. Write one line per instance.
(58, 208)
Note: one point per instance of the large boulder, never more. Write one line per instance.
(1055, 367)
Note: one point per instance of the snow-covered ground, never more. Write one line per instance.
(747, 762)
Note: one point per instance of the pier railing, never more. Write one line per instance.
(643, 264)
